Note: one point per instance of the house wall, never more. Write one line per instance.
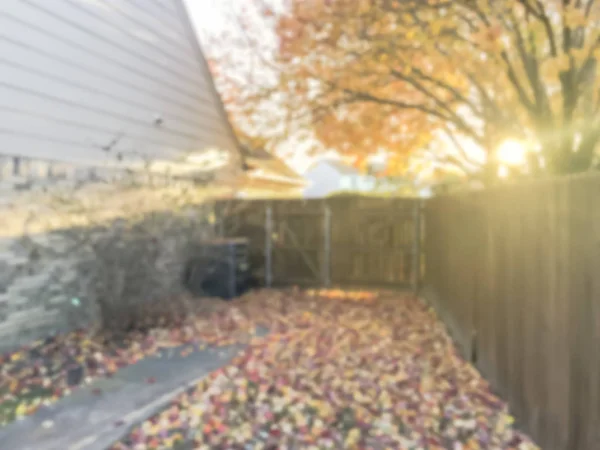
(75, 74)
(71, 259)
(361, 183)
(325, 179)
(322, 180)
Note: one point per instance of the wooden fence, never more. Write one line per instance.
(354, 241)
(514, 273)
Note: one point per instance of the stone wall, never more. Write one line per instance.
(70, 252)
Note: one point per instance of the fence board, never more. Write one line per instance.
(516, 268)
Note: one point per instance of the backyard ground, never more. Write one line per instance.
(353, 370)
(336, 369)
(49, 370)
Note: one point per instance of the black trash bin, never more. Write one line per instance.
(219, 268)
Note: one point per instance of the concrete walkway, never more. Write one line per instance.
(101, 413)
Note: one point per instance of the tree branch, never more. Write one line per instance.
(531, 66)
(463, 153)
(443, 85)
(530, 9)
(398, 104)
(514, 81)
(548, 27)
(452, 115)
(588, 8)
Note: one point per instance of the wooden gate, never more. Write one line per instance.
(346, 241)
(298, 251)
(376, 241)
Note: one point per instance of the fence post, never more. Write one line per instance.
(221, 221)
(268, 245)
(416, 263)
(327, 246)
(214, 217)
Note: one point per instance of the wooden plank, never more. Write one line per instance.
(593, 432)
(307, 214)
(561, 398)
(581, 319)
(533, 291)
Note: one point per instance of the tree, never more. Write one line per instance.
(241, 60)
(394, 74)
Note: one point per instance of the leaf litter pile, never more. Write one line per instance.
(47, 370)
(347, 370)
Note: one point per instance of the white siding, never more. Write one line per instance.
(322, 180)
(76, 73)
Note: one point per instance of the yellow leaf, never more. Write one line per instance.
(21, 410)
(436, 28)
(579, 54)
(574, 18)
(363, 6)
(559, 64)
(353, 437)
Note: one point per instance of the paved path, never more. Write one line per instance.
(97, 415)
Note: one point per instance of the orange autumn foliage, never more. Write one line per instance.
(371, 75)
(390, 74)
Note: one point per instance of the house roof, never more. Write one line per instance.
(268, 184)
(197, 47)
(338, 165)
(262, 164)
(256, 153)
(274, 166)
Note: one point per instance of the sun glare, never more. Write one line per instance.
(511, 153)
(503, 172)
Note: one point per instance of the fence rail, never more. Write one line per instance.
(513, 272)
(351, 241)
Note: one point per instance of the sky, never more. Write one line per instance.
(208, 15)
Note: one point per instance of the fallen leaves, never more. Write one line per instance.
(334, 374)
(343, 295)
(50, 369)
